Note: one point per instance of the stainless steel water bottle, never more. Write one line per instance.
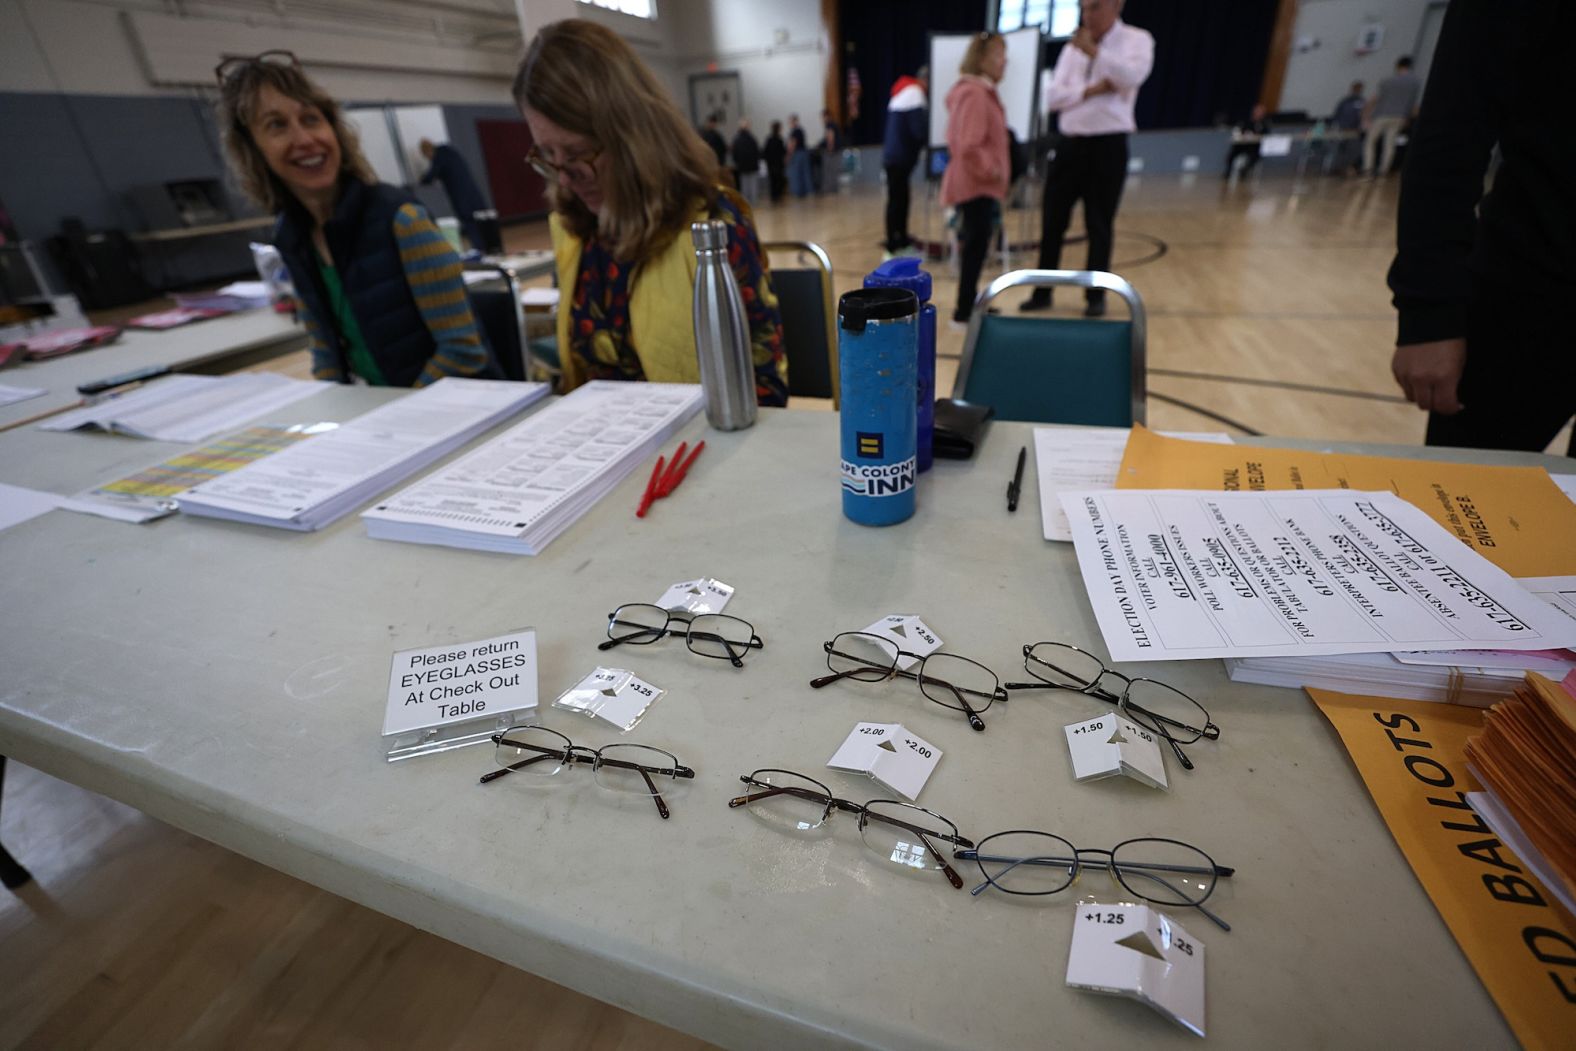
(877, 347)
(722, 333)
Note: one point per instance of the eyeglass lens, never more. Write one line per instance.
(707, 634)
(1153, 705)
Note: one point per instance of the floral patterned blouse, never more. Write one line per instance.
(599, 331)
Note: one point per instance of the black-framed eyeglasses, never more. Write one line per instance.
(277, 57)
(706, 634)
(635, 769)
(903, 834)
(1164, 710)
(1164, 871)
(949, 680)
(580, 166)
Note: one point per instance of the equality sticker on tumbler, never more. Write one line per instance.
(881, 479)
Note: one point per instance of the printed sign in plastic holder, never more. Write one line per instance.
(907, 632)
(1139, 952)
(1113, 746)
(458, 694)
(614, 694)
(706, 595)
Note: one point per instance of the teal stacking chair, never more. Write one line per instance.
(1087, 371)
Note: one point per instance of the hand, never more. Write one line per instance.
(1102, 86)
(1084, 41)
(1430, 372)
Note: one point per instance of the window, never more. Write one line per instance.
(1057, 17)
(638, 8)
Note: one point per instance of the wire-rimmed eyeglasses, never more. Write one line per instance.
(637, 769)
(903, 834)
(951, 681)
(706, 634)
(1164, 871)
(276, 57)
(580, 166)
(1164, 710)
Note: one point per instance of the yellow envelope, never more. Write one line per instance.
(1521, 943)
(1516, 517)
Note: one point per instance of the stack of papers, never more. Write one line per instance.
(238, 295)
(188, 408)
(174, 318)
(65, 340)
(1525, 758)
(1479, 678)
(519, 491)
(313, 483)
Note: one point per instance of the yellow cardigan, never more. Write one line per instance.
(661, 308)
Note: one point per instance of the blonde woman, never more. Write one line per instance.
(380, 288)
(626, 176)
(978, 167)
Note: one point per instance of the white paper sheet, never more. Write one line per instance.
(18, 504)
(1068, 458)
(12, 395)
(1184, 574)
(186, 408)
(1567, 484)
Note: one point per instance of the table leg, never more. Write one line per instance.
(12, 874)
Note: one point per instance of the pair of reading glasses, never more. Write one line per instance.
(951, 681)
(230, 66)
(706, 634)
(899, 833)
(540, 753)
(1163, 710)
(1164, 871)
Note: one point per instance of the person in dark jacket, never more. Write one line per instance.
(775, 154)
(380, 288)
(1484, 342)
(447, 167)
(713, 138)
(1257, 126)
(904, 139)
(800, 173)
(747, 161)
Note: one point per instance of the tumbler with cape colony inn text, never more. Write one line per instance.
(878, 350)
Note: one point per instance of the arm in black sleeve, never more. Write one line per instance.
(1446, 160)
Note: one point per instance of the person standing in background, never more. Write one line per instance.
(1257, 126)
(1484, 342)
(775, 154)
(977, 174)
(747, 162)
(1093, 87)
(445, 165)
(713, 138)
(799, 170)
(1348, 119)
(904, 139)
(828, 154)
(1388, 113)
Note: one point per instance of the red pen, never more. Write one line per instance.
(671, 478)
(651, 490)
(684, 470)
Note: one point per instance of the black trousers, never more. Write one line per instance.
(1091, 169)
(776, 181)
(976, 223)
(1519, 384)
(897, 176)
(1250, 150)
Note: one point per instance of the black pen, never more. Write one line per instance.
(1015, 486)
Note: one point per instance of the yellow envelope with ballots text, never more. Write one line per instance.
(1516, 517)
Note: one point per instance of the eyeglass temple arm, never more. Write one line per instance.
(656, 797)
(644, 631)
(941, 859)
(1210, 730)
(512, 767)
(973, 716)
(1222, 924)
(734, 657)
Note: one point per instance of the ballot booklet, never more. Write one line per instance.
(517, 492)
(313, 483)
(186, 408)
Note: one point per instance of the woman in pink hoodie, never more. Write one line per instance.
(977, 173)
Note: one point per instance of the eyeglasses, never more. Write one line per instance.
(580, 166)
(541, 753)
(1164, 710)
(706, 634)
(900, 833)
(1163, 871)
(944, 678)
(230, 66)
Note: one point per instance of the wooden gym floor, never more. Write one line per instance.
(1267, 312)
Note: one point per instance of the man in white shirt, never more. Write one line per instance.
(1093, 87)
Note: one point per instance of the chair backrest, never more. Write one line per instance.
(809, 313)
(498, 312)
(1056, 370)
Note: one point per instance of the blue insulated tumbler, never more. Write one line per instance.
(877, 346)
(904, 272)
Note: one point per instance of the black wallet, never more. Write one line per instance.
(958, 426)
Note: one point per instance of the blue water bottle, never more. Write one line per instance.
(877, 347)
(904, 272)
